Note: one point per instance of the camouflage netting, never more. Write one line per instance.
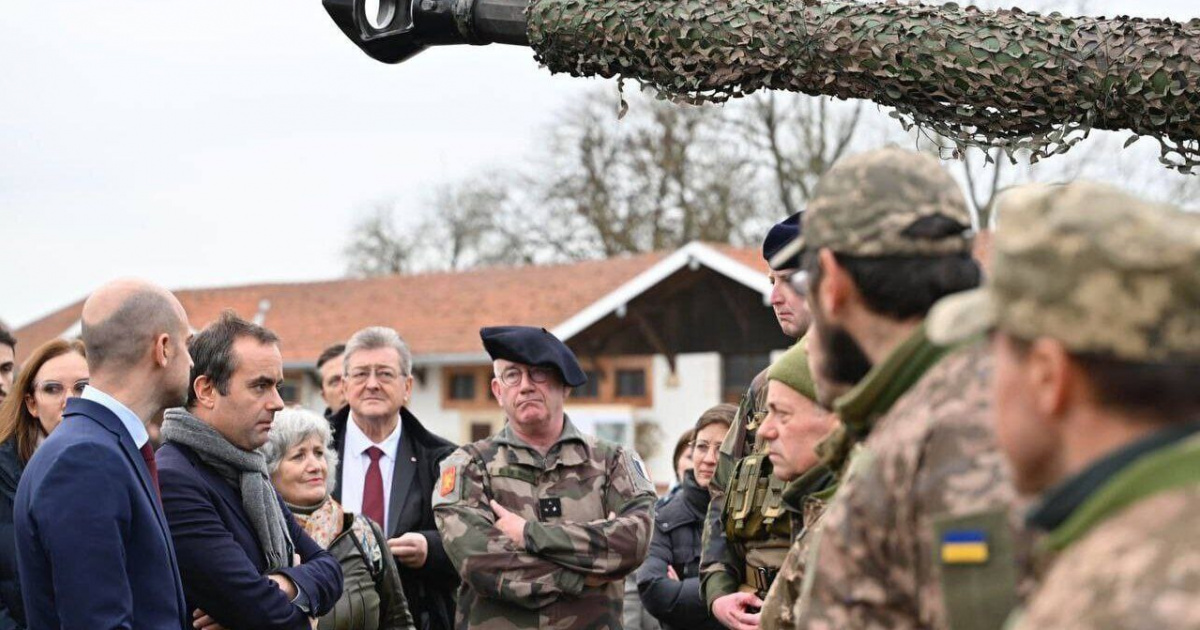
(1006, 79)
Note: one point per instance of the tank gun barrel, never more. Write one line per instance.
(1008, 78)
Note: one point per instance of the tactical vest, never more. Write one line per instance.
(754, 499)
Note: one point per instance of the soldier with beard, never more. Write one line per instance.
(886, 235)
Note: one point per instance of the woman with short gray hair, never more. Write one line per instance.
(301, 461)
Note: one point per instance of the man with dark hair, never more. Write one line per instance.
(93, 547)
(8, 361)
(330, 368)
(244, 560)
(741, 553)
(886, 235)
(1094, 301)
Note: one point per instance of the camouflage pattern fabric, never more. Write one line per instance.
(868, 205)
(1126, 280)
(571, 571)
(931, 459)
(1007, 79)
(1137, 565)
(806, 499)
(722, 559)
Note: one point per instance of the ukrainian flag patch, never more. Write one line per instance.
(964, 546)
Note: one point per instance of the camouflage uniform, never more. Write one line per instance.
(804, 499)
(571, 571)
(922, 460)
(746, 531)
(1107, 275)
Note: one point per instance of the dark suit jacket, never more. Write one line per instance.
(430, 589)
(93, 548)
(222, 563)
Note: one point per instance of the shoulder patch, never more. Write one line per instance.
(979, 573)
(449, 486)
(638, 473)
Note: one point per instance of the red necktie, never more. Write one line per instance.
(152, 465)
(372, 506)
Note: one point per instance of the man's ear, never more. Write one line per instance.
(836, 287)
(206, 392)
(162, 350)
(1052, 378)
(496, 391)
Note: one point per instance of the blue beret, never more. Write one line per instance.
(533, 346)
(780, 235)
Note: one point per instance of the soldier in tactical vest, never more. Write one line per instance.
(1094, 304)
(746, 532)
(542, 522)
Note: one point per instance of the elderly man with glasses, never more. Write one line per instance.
(389, 465)
(542, 521)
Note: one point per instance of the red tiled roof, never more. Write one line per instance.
(436, 313)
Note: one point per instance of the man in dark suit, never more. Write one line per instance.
(93, 547)
(388, 467)
(244, 560)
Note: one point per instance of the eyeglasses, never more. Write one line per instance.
(384, 375)
(511, 377)
(54, 389)
(700, 450)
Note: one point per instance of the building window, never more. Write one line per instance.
(617, 432)
(631, 383)
(480, 431)
(737, 371)
(290, 393)
(462, 386)
(590, 389)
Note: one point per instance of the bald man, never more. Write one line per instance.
(93, 548)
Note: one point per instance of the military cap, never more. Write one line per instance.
(1091, 266)
(533, 346)
(887, 202)
(791, 369)
(778, 237)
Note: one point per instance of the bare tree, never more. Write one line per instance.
(377, 247)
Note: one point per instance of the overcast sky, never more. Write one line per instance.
(230, 142)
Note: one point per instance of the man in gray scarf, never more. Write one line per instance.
(245, 562)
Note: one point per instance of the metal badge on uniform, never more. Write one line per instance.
(549, 508)
(964, 546)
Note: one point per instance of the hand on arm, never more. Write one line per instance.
(486, 558)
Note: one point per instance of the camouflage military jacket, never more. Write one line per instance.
(922, 515)
(570, 572)
(805, 500)
(723, 561)
(1127, 555)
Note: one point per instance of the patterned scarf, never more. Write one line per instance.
(322, 522)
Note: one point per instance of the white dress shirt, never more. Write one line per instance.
(131, 421)
(354, 468)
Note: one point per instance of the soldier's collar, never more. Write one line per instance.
(1160, 461)
(888, 381)
(570, 433)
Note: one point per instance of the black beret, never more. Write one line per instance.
(779, 236)
(533, 346)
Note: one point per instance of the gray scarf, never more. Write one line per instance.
(245, 470)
